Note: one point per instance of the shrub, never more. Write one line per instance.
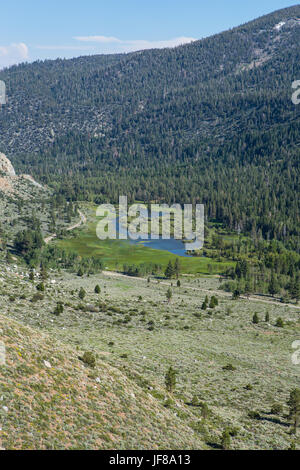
(254, 414)
(229, 367)
(276, 409)
(204, 410)
(82, 293)
(59, 308)
(170, 379)
(169, 294)
(168, 403)
(233, 431)
(236, 294)
(213, 302)
(226, 440)
(97, 289)
(195, 401)
(279, 323)
(36, 297)
(89, 359)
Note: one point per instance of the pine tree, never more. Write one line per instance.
(80, 272)
(40, 287)
(169, 272)
(59, 308)
(82, 293)
(169, 294)
(294, 405)
(204, 410)
(170, 380)
(177, 268)
(267, 317)
(43, 272)
(295, 289)
(255, 319)
(273, 285)
(97, 289)
(226, 440)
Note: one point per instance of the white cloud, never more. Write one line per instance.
(13, 54)
(62, 48)
(119, 45)
(103, 39)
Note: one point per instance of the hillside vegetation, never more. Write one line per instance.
(52, 400)
(233, 363)
(208, 122)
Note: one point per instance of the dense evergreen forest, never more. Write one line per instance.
(210, 122)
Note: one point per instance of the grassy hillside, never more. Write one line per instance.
(238, 369)
(51, 400)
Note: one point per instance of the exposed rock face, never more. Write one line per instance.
(6, 166)
(20, 187)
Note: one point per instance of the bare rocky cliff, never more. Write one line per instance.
(22, 186)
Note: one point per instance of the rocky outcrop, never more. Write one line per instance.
(6, 166)
(20, 187)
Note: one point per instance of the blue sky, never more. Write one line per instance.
(40, 29)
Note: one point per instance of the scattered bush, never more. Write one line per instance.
(226, 440)
(97, 289)
(276, 409)
(59, 308)
(89, 359)
(254, 414)
(36, 297)
(170, 380)
(279, 323)
(229, 367)
(82, 293)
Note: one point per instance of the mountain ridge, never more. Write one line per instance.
(211, 122)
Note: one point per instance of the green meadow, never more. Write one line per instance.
(116, 253)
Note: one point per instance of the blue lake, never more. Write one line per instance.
(177, 247)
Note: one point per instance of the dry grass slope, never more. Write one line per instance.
(71, 406)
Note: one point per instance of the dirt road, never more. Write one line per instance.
(72, 227)
(214, 292)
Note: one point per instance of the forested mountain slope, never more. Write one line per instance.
(211, 122)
